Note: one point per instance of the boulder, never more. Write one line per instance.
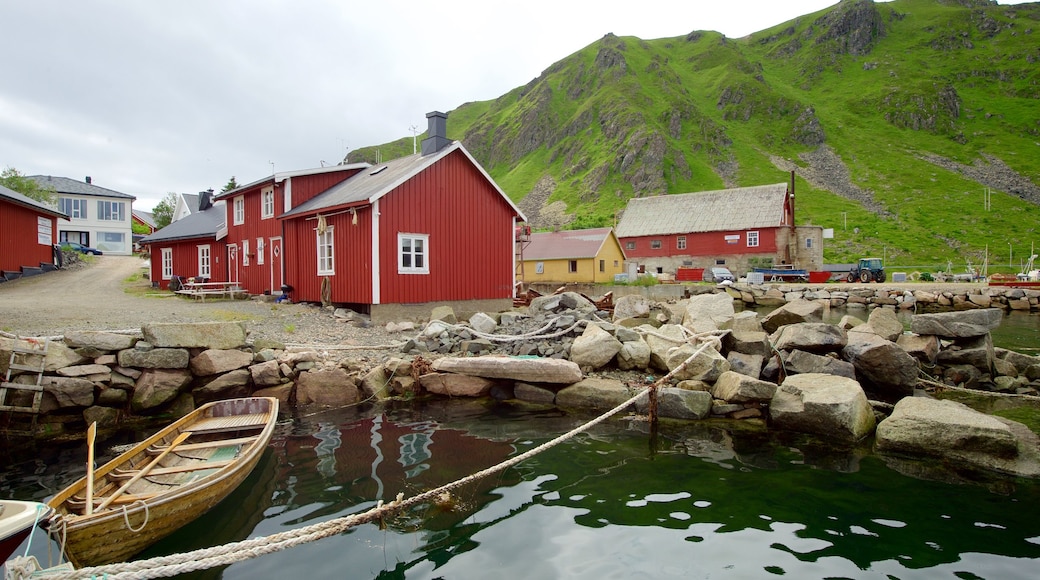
(594, 393)
(885, 323)
(661, 341)
(675, 403)
(793, 312)
(882, 363)
(634, 354)
(734, 387)
(158, 358)
(826, 405)
(222, 335)
(99, 340)
(266, 374)
(746, 364)
(815, 337)
(961, 324)
(534, 393)
(157, 387)
(707, 365)
(976, 351)
(632, 306)
(708, 312)
(483, 323)
(221, 385)
(748, 342)
(330, 387)
(594, 348)
(533, 370)
(374, 385)
(454, 385)
(562, 301)
(105, 417)
(65, 392)
(922, 348)
(443, 313)
(799, 362)
(84, 370)
(58, 356)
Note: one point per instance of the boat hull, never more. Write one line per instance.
(117, 533)
(17, 519)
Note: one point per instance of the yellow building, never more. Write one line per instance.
(573, 256)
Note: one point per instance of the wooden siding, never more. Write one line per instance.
(305, 187)
(701, 244)
(587, 268)
(19, 239)
(352, 253)
(470, 230)
(186, 259)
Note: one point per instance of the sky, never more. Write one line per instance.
(152, 97)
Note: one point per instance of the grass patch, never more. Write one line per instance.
(1028, 416)
(138, 284)
(232, 316)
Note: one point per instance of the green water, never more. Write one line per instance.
(704, 500)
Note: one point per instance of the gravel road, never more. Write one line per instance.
(113, 293)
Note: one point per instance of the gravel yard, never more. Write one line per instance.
(113, 293)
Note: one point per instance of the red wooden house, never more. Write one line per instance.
(28, 234)
(395, 237)
(190, 247)
(737, 228)
(255, 243)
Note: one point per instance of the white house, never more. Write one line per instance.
(98, 217)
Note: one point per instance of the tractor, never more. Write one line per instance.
(868, 270)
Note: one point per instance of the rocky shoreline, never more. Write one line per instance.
(865, 376)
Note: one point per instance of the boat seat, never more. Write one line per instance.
(121, 474)
(230, 423)
(157, 449)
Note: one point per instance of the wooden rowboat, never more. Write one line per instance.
(17, 519)
(164, 482)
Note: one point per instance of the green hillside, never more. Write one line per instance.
(897, 118)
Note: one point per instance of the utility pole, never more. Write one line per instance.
(415, 133)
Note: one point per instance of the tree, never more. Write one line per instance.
(231, 184)
(15, 181)
(163, 211)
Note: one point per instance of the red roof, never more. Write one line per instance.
(567, 245)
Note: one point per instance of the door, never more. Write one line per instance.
(277, 270)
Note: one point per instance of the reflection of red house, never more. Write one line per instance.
(28, 232)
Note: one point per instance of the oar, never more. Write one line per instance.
(91, 434)
(144, 471)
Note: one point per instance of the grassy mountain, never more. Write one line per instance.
(913, 127)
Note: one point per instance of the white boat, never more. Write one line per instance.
(17, 519)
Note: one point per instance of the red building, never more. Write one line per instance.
(397, 236)
(738, 228)
(28, 234)
(190, 247)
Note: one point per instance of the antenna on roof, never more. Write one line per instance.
(415, 133)
(272, 167)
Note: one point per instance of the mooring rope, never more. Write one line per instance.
(174, 564)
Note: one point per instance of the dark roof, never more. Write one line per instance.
(374, 182)
(145, 216)
(66, 185)
(283, 175)
(26, 201)
(191, 201)
(741, 208)
(566, 245)
(201, 224)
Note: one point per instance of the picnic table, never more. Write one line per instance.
(200, 290)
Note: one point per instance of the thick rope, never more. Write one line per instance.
(172, 565)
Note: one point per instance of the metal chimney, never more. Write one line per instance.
(88, 179)
(205, 199)
(437, 133)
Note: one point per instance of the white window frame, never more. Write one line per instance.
(267, 203)
(204, 261)
(680, 243)
(74, 207)
(412, 254)
(167, 263)
(539, 267)
(259, 251)
(326, 252)
(245, 252)
(630, 245)
(752, 239)
(655, 244)
(239, 210)
(111, 211)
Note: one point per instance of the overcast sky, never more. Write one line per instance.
(152, 97)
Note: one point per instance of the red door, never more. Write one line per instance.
(277, 272)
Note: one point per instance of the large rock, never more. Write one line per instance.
(158, 358)
(882, 363)
(675, 403)
(534, 394)
(58, 356)
(634, 354)
(594, 348)
(737, 388)
(632, 306)
(950, 430)
(562, 301)
(331, 387)
(483, 323)
(961, 324)
(99, 340)
(922, 348)
(746, 364)
(708, 312)
(157, 387)
(885, 323)
(266, 374)
(706, 366)
(532, 370)
(84, 370)
(799, 362)
(223, 335)
(661, 341)
(748, 342)
(793, 312)
(214, 361)
(454, 385)
(65, 392)
(594, 393)
(815, 337)
(975, 351)
(827, 405)
(375, 384)
(223, 385)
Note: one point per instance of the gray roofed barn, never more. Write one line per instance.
(740, 208)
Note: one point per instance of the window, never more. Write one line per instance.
(245, 252)
(240, 211)
(539, 267)
(655, 244)
(204, 262)
(808, 243)
(267, 203)
(167, 263)
(720, 262)
(602, 265)
(752, 239)
(572, 266)
(326, 253)
(259, 250)
(76, 209)
(413, 251)
(630, 245)
(113, 211)
(111, 241)
(680, 243)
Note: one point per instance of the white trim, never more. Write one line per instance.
(331, 256)
(206, 272)
(267, 211)
(238, 218)
(375, 254)
(287, 196)
(166, 259)
(424, 253)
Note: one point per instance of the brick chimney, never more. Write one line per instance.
(437, 133)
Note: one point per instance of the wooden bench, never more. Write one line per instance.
(201, 290)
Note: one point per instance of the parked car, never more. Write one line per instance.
(718, 275)
(81, 248)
